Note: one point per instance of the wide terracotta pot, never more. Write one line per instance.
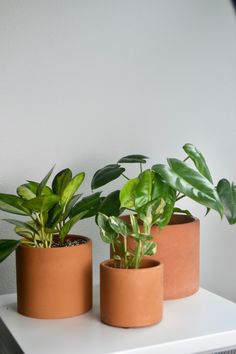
(54, 282)
(131, 297)
(178, 249)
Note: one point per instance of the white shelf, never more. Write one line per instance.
(200, 323)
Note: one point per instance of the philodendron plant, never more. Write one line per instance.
(50, 211)
(169, 184)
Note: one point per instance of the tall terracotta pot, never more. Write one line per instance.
(131, 297)
(54, 282)
(178, 250)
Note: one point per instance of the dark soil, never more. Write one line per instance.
(69, 243)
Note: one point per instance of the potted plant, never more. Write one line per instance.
(53, 267)
(131, 287)
(176, 231)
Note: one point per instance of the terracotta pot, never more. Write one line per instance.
(131, 297)
(178, 250)
(54, 282)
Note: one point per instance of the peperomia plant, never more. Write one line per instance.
(170, 184)
(51, 211)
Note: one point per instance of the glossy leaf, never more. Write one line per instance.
(106, 175)
(190, 183)
(120, 226)
(91, 204)
(107, 234)
(69, 224)
(143, 189)
(70, 205)
(111, 204)
(61, 180)
(43, 183)
(41, 203)
(12, 204)
(7, 247)
(182, 211)
(149, 248)
(54, 215)
(199, 160)
(71, 188)
(127, 196)
(21, 224)
(25, 192)
(133, 159)
(227, 194)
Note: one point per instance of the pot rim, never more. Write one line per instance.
(190, 220)
(155, 264)
(53, 249)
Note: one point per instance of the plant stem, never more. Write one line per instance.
(125, 250)
(141, 167)
(178, 198)
(125, 176)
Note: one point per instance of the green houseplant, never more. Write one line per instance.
(46, 253)
(176, 231)
(128, 280)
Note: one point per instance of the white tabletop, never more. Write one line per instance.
(200, 323)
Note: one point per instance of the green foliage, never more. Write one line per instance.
(7, 247)
(227, 193)
(52, 210)
(112, 229)
(106, 175)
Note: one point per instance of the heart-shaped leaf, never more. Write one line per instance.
(133, 159)
(127, 193)
(120, 226)
(106, 175)
(107, 234)
(143, 189)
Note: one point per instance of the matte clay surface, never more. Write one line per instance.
(54, 282)
(178, 250)
(131, 297)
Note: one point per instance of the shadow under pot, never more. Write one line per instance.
(54, 282)
(131, 297)
(178, 249)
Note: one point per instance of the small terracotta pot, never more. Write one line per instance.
(54, 282)
(131, 297)
(178, 249)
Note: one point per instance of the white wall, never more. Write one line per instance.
(84, 82)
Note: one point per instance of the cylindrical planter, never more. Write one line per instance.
(131, 297)
(54, 282)
(178, 249)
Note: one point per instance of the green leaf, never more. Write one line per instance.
(107, 234)
(110, 206)
(41, 203)
(199, 160)
(133, 159)
(61, 180)
(127, 193)
(143, 189)
(25, 192)
(106, 175)
(120, 226)
(70, 205)
(21, 224)
(7, 247)
(182, 211)
(149, 248)
(227, 194)
(55, 215)
(33, 186)
(134, 224)
(91, 204)
(190, 183)
(43, 183)
(12, 204)
(69, 224)
(71, 188)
